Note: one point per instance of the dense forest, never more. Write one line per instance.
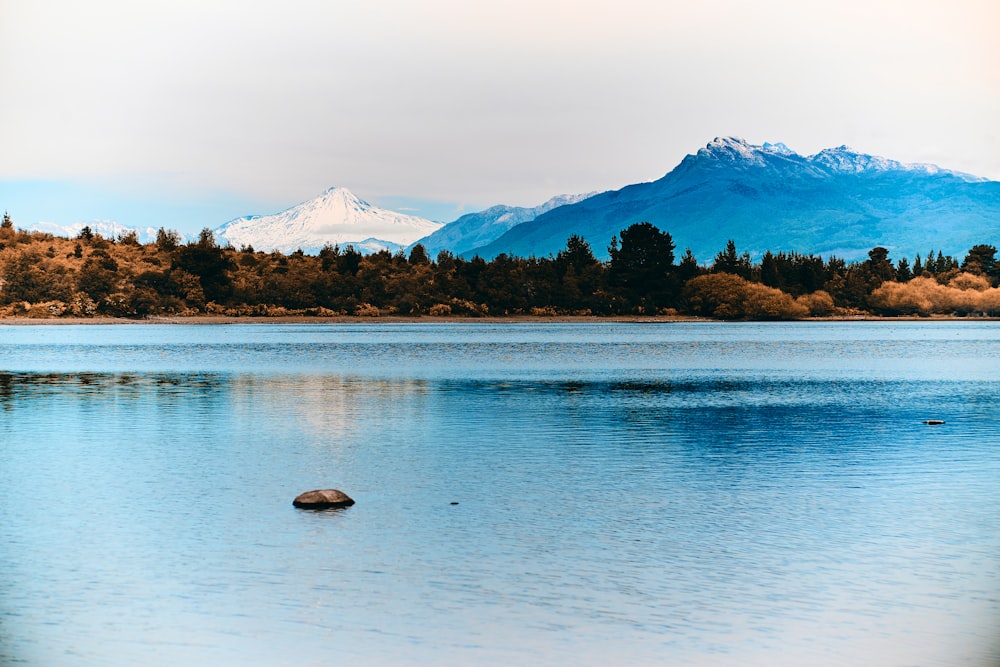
(44, 276)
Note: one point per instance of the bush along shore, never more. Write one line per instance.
(88, 276)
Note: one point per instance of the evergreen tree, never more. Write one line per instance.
(578, 276)
(167, 240)
(727, 261)
(903, 273)
(328, 256)
(877, 267)
(809, 275)
(418, 255)
(349, 261)
(210, 263)
(688, 267)
(643, 267)
(930, 266)
(982, 260)
(577, 254)
(944, 263)
(769, 273)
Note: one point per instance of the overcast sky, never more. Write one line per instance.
(188, 113)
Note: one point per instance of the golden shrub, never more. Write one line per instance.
(366, 310)
(969, 281)
(440, 310)
(964, 294)
(465, 307)
(818, 303)
(47, 309)
(728, 296)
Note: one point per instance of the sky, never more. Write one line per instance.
(188, 113)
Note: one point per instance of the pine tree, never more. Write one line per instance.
(643, 267)
(769, 274)
(982, 259)
(688, 267)
(727, 261)
(903, 273)
(929, 265)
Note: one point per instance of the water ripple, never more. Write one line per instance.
(720, 495)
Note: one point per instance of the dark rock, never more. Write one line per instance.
(933, 422)
(323, 499)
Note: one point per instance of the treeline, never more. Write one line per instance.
(42, 275)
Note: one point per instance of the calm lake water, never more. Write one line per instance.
(628, 494)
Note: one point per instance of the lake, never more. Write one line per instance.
(687, 493)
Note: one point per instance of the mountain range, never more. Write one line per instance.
(768, 197)
(109, 229)
(478, 229)
(836, 202)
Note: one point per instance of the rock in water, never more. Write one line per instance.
(323, 499)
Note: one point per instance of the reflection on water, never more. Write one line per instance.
(783, 507)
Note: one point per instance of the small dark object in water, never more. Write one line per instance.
(323, 499)
(933, 422)
(454, 502)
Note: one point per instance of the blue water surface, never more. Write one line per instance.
(627, 493)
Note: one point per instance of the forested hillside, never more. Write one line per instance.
(42, 275)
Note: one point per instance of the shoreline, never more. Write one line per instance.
(428, 319)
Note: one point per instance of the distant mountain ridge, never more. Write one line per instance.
(836, 202)
(476, 229)
(335, 217)
(768, 197)
(109, 229)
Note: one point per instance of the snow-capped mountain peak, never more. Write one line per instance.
(738, 153)
(778, 148)
(845, 159)
(336, 217)
(732, 149)
(340, 201)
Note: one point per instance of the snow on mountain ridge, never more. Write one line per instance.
(335, 217)
(845, 159)
(515, 215)
(479, 228)
(733, 149)
(778, 148)
(736, 151)
(109, 229)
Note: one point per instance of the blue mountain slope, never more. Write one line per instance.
(476, 229)
(837, 202)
